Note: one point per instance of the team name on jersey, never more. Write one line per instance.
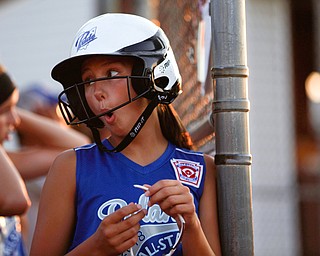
(154, 215)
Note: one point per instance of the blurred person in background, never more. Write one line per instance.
(40, 139)
(14, 199)
(37, 98)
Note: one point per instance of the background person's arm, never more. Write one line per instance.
(14, 199)
(47, 132)
(42, 140)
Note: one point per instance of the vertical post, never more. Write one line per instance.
(231, 119)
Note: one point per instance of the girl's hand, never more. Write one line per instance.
(118, 232)
(173, 198)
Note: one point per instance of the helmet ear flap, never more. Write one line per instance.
(141, 80)
(143, 87)
(167, 79)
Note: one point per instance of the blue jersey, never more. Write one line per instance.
(104, 183)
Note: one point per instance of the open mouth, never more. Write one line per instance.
(109, 117)
(106, 112)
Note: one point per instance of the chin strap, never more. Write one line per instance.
(133, 132)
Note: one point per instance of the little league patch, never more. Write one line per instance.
(188, 172)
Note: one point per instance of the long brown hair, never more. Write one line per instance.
(172, 127)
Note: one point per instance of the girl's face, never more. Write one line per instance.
(107, 94)
(9, 118)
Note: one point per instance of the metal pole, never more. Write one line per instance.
(231, 119)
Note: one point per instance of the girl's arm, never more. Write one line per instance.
(202, 238)
(201, 235)
(14, 199)
(56, 214)
(208, 207)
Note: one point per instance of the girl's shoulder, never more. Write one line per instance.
(66, 160)
(66, 155)
(188, 152)
(196, 155)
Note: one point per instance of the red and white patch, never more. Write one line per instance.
(188, 172)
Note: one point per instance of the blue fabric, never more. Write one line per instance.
(104, 183)
(11, 242)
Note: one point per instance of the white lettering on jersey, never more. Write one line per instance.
(154, 215)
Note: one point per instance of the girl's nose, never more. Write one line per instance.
(99, 91)
(14, 119)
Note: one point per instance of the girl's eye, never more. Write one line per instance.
(112, 73)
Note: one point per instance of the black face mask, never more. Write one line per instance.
(75, 109)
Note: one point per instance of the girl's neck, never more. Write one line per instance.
(146, 153)
(149, 145)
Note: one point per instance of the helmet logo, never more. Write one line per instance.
(137, 127)
(163, 67)
(162, 97)
(132, 134)
(85, 38)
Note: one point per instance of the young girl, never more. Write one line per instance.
(121, 78)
